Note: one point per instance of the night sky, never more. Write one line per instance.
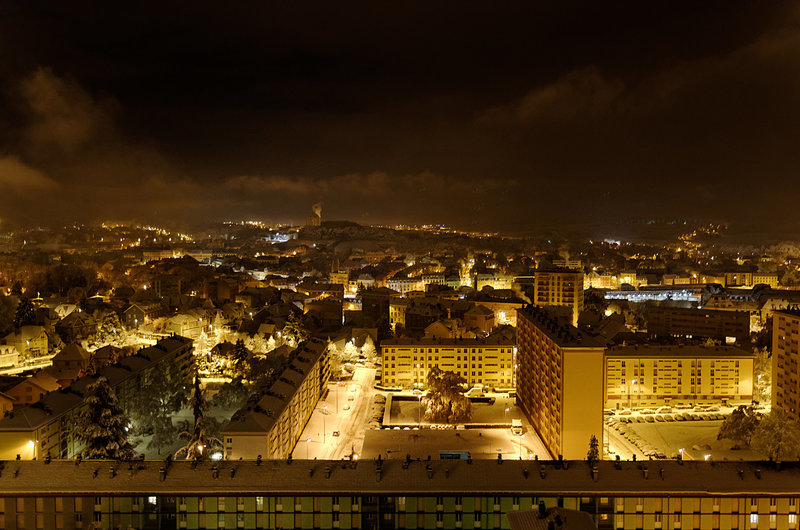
(515, 118)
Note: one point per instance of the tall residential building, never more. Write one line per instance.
(559, 287)
(786, 361)
(489, 362)
(394, 494)
(559, 382)
(270, 424)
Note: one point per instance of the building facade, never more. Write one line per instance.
(729, 326)
(652, 376)
(46, 428)
(559, 287)
(394, 494)
(559, 382)
(786, 362)
(489, 362)
(270, 424)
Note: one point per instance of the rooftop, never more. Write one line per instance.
(564, 334)
(259, 416)
(677, 350)
(515, 477)
(433, 341)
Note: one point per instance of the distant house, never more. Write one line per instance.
(9, 356)
(69, 364)
(76, 326)
(33, 388)
(139, 313)
(479, 318)
(29, 341)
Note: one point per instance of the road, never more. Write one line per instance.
(352, 400)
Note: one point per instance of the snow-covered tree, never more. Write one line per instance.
(368, 349)
(593, 455)
(232, 394)
(200, 439)
(350, 351)
(103, 426)
(762, 375)
(162, 393)
(237, 362)
(740, 425)
(111, 331)
(777, 436)
(444, 402)
(294, 332)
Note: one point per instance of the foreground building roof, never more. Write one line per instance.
(572, 478)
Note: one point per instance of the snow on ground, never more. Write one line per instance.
(696, 438)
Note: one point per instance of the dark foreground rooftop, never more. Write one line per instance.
(277, 477)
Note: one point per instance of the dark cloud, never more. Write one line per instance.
(529, 115)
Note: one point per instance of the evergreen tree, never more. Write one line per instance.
(24, 314)
(293, 331)
(232, 394)
(200, 439)
(238, 360)
(594, 450)
(162, 393)
(103, 426)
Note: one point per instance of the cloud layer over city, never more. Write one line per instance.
(517, 118)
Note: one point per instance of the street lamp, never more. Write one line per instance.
(308, 442)
(505, 415)
(419, 411)
(324, 413)
(337, 397)
(681, 450)
(519, 444)
(630, 403)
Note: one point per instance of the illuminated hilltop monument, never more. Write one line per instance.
(316, 218)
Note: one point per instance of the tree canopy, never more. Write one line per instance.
(103, 426)
(777, 437)
(740, 425)
(200, 439)
(444, 402)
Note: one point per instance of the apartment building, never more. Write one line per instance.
(559, 287)
(395, 494)
(489, 362)
(45, 428)
(729, 326)
(786, 362)
(653, 375)
(270, 424)
(559, 381)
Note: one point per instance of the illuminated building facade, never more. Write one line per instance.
(786, 362)
(651, 375)
(488, 362)
(559, 287)
(271, 425)
(559, 382)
